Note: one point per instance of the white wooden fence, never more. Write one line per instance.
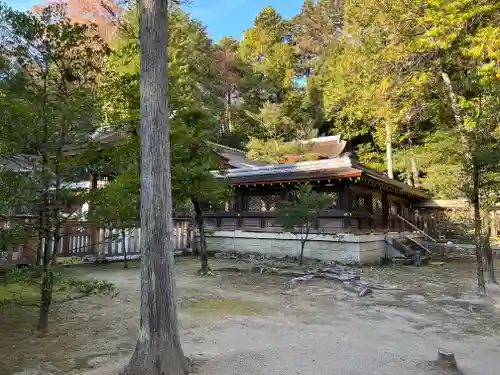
(111, 243)
(77, 240)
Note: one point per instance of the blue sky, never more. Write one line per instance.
(222, 17)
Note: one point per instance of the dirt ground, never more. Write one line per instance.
(243, 323)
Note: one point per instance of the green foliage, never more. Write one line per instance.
(50, 69)
(266, 47)
(193, 161)
(116, 206)
(301, 212)
(194, 80)
(195, 105)
(21, 284)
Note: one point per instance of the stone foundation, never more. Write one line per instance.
(343, 248)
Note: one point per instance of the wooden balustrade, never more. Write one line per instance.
(77, 241)
(332, 221)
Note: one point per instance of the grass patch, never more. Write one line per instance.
(228, 306)
(26, 293)
(23, 286)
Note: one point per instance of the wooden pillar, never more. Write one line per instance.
(345, 200)
(385, 212)
(102, 244)
(369, 209)
(434, 222)
(493, 223)
(66, 239)
(238, 207)
(94, 230)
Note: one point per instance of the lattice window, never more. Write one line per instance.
(358, 202)
(377, 205)
(255, 204)
(264, 203)
(334, 200)
(272, 202)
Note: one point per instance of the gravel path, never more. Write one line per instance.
(242, 324)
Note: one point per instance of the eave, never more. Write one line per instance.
(318, 170)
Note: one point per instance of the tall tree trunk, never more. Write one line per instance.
(477, 231)
(205, 269)
(158, 350)
(415, 174)
(124, 249)
(47, 287)
(41, 238)
(94, 231)
(414, 169)
(388, 142)
(457, 114)
(487, 250)
(227, 120)
(45, 300)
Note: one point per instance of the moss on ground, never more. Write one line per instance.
(228, 306)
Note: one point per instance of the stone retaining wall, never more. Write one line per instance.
(343, 248)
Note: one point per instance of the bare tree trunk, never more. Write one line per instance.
(457, 114)
(487, 250)
(47, 285)
(227, 115)
(158, 350)
(388, 142)
(205, 269)
(475, 177)
(124, 249)
(477, 231)
(47, 288)
(303, 239)
(94, 231)
(302, 246)
(10, 255)
(45, 300)
(41, 238)
(415, 174)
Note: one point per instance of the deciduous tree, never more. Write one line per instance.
(300, 214)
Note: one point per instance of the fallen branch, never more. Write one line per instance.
(360, 290)
(350, 279)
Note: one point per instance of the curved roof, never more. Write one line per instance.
(314, 170)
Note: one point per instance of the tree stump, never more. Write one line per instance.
(447, 360)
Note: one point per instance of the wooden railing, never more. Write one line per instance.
(332, 221)
(112, 242)
(415, 228)
(77, 240)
